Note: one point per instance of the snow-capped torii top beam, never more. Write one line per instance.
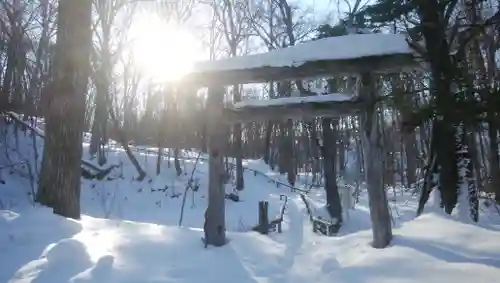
(349, 54)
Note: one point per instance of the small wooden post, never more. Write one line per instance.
(215, 228)
(373, 154)
(282, 212)
(346, 200)
(263, 217)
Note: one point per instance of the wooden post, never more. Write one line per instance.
(263, 217)
(346, 200)
(373, 154)
(215, 228)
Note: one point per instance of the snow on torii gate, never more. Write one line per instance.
(361, 55)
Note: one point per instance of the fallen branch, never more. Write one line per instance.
(100, 171)
(100, 175)
(124, 143)
(308, 208)
(188, 186)
(13, 165)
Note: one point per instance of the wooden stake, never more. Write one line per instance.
(263, 217)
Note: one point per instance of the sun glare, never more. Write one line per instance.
(161, 51)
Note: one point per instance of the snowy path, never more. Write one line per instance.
(297, 243)
(295, 233)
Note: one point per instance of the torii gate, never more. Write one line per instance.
(361, 55)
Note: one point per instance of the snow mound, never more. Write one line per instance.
(431, 248)
(100, 272)
(66, 251)
(7, 216)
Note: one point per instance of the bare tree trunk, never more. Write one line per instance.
(494, 160)
(329, 153)
(159, 158)
(161, 139)
(267, 142)
(60, 173)
(411, 157)
(289, 153)
(99, 125)
(41, 52)
(124, 142)
(240, 182)
(342, 149)
(177, 163)
(473, 155)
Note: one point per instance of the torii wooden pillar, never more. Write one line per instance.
(215, 220)
(373, 155)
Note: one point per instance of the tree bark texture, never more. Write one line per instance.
(329, 153)
(59, 186)
(240, 182)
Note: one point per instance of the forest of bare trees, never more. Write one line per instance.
(65, 61)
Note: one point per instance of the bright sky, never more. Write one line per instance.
(164, 52)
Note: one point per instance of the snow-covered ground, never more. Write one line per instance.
(130, 233)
